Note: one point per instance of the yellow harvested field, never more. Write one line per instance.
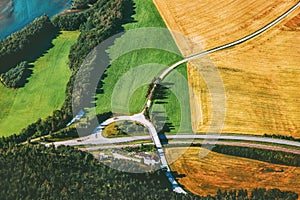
(214, 23)
(261, 77)
(204, 176)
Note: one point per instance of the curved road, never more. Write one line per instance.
(97, 138)
(226, 46)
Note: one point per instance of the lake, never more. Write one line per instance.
(16, 14)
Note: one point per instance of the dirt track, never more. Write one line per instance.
(261, 77)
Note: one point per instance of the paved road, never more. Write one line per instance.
(97, 138)
(226, 46)
(226, 143)
(153, 133)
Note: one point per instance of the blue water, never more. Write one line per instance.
(16, 14)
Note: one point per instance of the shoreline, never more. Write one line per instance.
(24, 13)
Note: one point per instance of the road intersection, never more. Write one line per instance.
(98, 139)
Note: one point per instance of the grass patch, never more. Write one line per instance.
(44, 92)
(124, 129)
(127, 79)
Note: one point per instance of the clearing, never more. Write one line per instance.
(142, 65)
(44, 92)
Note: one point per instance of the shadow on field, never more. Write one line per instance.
(161, 124)
(176, 175)
(161, 92)
(99, 89)
(128, 12)
(27, 73)
(38, 47)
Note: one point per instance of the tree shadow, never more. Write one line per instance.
(99, 89)
(128, 12)
(160, 121)
(43, 44)
(26, 74)
(161, 124)
(177, 175)
(36, 48)
(161, 92)
(167, 128)
(104, 116)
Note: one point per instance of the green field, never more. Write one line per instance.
(44, 92)
(125, 85)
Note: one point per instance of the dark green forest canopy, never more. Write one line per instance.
(27, 44)
(16, 77)
(102, 20)
(81, 4)
(39, 172)
(276, 157)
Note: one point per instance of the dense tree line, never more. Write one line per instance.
(54, 125)
(65, 133)
(81, 4)
(142, 148)
(106, 16)
(256, 194)
(39, 172)
(69, 174)
(70, 22)
(26, 44)
(282, 137)
(276, 157)
(16, 76)
(104, 19)
(51, 124)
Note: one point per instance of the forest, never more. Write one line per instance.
(281, 137)
(39, 172)
(81, 4)
(93, 31)
(16, 76)
(276, 157)
(27, 44)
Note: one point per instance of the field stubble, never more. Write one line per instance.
(205, 175)
(261, 76)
